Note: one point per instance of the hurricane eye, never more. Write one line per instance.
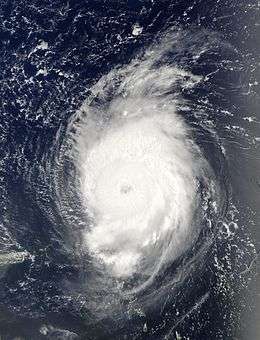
(125, 189)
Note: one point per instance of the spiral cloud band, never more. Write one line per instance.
(140, 171)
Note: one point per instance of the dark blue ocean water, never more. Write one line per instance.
(51, 53)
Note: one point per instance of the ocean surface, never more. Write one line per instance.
(129, 169)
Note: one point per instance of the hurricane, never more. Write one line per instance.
(150, 197)
(142, 177)
(119, 176)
